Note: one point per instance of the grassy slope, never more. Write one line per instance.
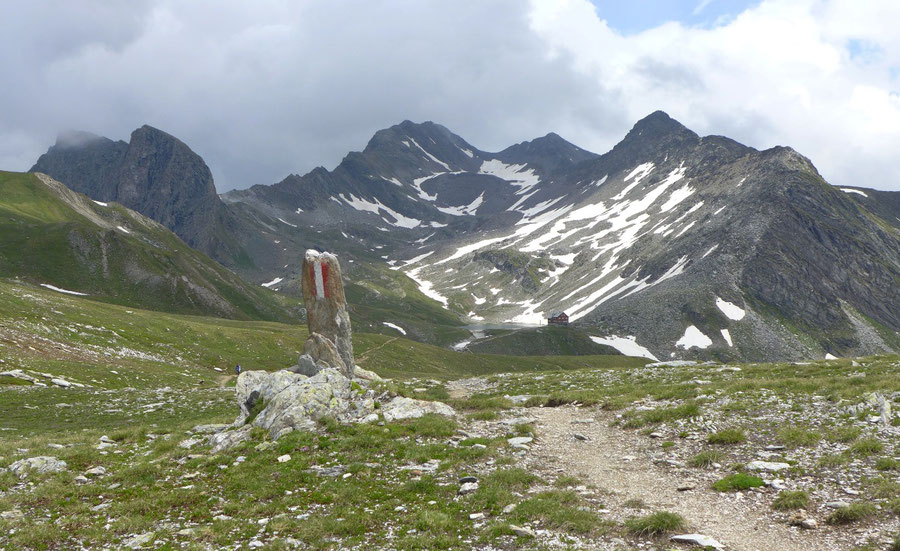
(85, 340)
(64, 239)
(378, 294)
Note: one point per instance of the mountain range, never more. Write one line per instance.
(671, 245)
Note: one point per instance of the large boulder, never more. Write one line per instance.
(287, 401)
(401, 408)
(326, 309)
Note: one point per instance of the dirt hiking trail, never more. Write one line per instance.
(618, 462)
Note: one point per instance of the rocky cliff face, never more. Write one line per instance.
(155, 174)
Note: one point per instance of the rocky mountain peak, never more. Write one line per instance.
(74, 139)
(550, 152)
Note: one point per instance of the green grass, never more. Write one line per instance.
(867, 447)
(706, 458)
(854, 513)
(737, 482)
(887, 464)
(789, 500)
(656, 524)
(727, 436)
(843, 434)
(662, 415)
(560, 510)
(794, 437)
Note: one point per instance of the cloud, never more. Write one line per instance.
(271, 87)
(820, 76)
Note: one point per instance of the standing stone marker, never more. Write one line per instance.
(326, 313)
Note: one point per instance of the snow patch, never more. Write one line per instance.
(66, 291)
(727, 336)
(367, 206)
(465, 210)
(393, 326)
(731, 311)
(626, 345)
(676, 197)
(123, 229)
(692, 338)
(426, 287)
(830, 356)
(275, 281)
(516, 175)
(101, 203)
(856, 191)
(430, 156)
(288, 223)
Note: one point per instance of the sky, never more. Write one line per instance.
(266, 88)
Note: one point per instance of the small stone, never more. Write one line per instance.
(137, 542)
(698, 539)
(107, 439)
(767, 466)
(186, 532)
(100, 507)
(837, 505)
(13, 514)
(520, 441)
(81, 479)
(263, 446)
(96, 471)
(476, 516)
(774, 447)
(851, 492)
(221, 517)
(656, 435)
(467, 479)
(284, 458)
(579, 436)
(509, 508)
(685, 488)
(797, 517)
(467, 488)
(521, 531)
(809, 524)
(189, 443)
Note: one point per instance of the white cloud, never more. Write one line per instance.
(270, 87)
(778, 74)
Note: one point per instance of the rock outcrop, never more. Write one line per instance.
(38, 465)
(329, 339)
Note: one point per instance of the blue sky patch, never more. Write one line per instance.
(639, 15)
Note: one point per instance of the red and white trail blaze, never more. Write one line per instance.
(320, 276)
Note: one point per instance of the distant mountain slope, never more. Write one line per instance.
(679, 245)
(55, 237)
